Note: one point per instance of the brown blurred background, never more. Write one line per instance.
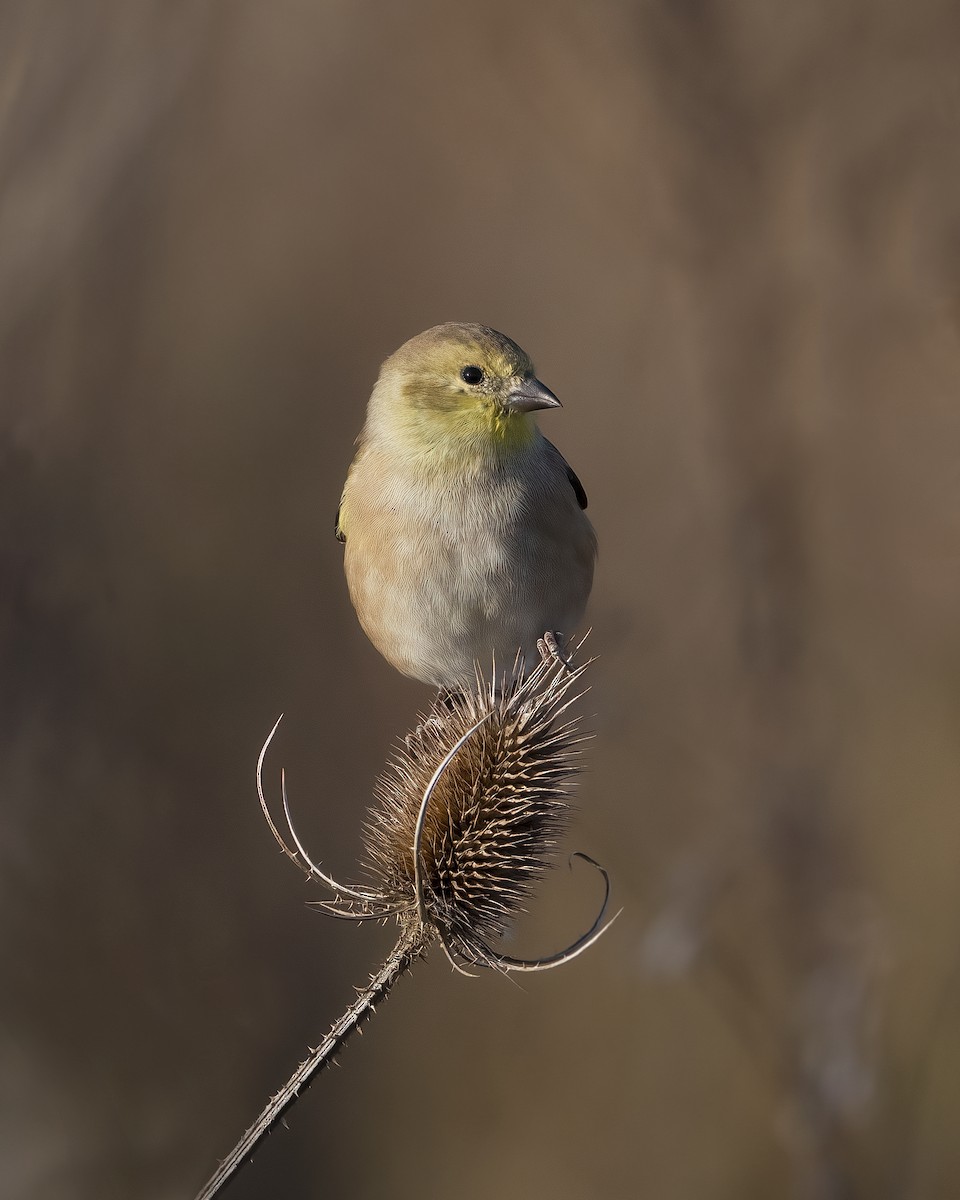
(729, 235)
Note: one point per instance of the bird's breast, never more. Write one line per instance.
(446, 572)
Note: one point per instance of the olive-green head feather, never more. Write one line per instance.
(458, 381)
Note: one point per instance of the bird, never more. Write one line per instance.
(466, 540)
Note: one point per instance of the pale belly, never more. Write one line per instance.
(459, 594)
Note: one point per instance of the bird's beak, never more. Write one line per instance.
(529, 395)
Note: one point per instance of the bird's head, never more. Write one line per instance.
(460, 383)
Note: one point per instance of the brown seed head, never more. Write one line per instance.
(493, 817)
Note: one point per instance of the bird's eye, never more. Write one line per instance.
(472, 375)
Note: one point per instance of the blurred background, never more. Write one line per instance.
(729, 236)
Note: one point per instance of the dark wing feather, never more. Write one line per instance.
(341, 536)
(578, 488)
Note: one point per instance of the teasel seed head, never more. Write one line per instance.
(493, 815)
(467, 816)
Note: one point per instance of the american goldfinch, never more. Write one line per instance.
(464, 530)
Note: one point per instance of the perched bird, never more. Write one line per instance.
(464, 530)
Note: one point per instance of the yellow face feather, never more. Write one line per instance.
(452, 391)
(476, 420)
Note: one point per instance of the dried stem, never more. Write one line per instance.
(465, 821)
(407, 950)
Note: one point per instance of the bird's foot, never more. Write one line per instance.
(414, 739)
(551, 650)
(446, 699)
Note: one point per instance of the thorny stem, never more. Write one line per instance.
(541, 699)
(407, 950)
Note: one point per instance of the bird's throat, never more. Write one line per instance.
(468, 437)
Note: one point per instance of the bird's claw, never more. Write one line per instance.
(414, 740)
(551, 650)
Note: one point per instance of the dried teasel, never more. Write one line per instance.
(466, 817)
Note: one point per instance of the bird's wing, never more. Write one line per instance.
(337, 527)
(575, 483)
